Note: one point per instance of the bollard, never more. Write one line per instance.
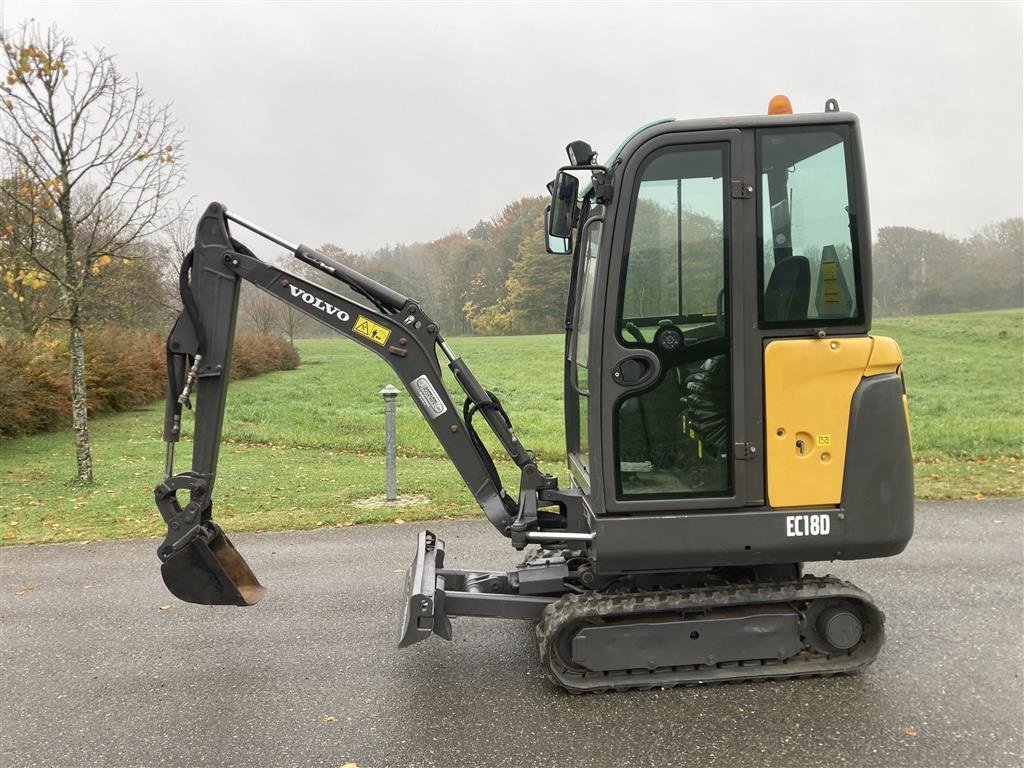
(390, 395)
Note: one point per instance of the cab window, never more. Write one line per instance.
(674, 269)
(808, 267)
(581, 334)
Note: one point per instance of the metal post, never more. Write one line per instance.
(390, 395)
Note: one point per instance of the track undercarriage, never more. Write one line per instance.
(716, 634)
(723, 625)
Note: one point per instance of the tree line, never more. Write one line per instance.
(496, 279)
(922, 272)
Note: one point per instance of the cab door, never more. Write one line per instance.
(671, 373)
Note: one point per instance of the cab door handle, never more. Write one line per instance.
(633, 371)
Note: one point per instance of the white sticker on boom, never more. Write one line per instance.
(428, 396)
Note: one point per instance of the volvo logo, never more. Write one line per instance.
(319, 303)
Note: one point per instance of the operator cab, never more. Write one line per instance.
(695, 245)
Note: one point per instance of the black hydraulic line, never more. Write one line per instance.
(492, 412)
(188, 301)
(179, 363)
(192, 312)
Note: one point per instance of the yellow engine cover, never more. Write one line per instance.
(808, 387)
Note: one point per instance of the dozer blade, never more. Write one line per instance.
(423, 610)
(211, 573)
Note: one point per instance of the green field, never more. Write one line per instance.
(304, 448)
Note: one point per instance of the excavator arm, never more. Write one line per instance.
(199, 562)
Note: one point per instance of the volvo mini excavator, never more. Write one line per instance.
(728, 416)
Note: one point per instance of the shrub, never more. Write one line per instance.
(35, 388)
(124, 369)
(257, 353)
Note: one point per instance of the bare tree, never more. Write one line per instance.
(260, 309)
(293, 322)
(180, 236)
(105, 156)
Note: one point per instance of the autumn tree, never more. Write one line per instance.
(28, 299)
(104, 156)
(454, 264)
(537, 284)
(514, 276)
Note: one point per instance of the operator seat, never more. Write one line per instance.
(707, 402)
(649, 424)
(788, 290)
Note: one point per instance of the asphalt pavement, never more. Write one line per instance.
(100, 666)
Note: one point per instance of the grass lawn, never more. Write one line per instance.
(965, 387)
(304, 448)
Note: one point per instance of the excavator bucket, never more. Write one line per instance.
(211, 573)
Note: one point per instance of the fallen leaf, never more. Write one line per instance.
(979, 496)
(329, 718)
(399, 521)
(9, 535)
(26, 588)
(909, 730)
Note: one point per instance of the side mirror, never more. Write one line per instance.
(581, 153)
(556, 245)
(563, 205)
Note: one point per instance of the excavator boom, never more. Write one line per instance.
(199, 562)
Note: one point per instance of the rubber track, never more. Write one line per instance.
(566, 614)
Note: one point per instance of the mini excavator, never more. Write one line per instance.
(728, 416)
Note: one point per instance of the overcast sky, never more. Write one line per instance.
(366, 124)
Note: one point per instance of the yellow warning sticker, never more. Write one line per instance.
(824, 439)
(371, 330)
(830, 280)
